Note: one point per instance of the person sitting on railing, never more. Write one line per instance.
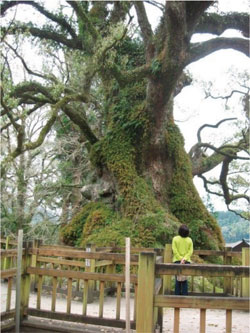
(182, 247)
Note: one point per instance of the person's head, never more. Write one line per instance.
(183, 230)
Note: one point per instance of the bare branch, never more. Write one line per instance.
(155, 4)
(227, 96)
(212, 126)
(43, 76)
(237, 213)
(206, 182)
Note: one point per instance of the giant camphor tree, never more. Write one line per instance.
(124, 75)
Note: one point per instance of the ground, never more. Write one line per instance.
(189, 318)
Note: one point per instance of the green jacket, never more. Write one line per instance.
(182, 248)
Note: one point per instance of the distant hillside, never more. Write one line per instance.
(233, 227)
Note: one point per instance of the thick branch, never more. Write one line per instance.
(223, 180)
(202, 163)
(146, 30)
(82, 17)
(119, 12)
(201, 50)
(214, 23)
(78, 119)
(46, 34)
(28, 90)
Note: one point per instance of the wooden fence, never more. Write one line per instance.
(97, 271)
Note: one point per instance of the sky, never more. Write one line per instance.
(191, 109)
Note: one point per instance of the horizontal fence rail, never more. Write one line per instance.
(117, 257)
(202, 302)
(202, 270)
(80, 275)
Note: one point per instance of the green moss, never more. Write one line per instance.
(184, 200)
(149, 231)
(99, 225)
(71, 234)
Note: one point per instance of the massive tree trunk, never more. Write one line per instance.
(143, 151)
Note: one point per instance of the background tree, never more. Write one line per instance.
(232, 154)
(128, 76)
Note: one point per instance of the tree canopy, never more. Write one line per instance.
(106, 89)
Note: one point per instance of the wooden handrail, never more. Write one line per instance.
(202, 270)
(8, 273)
(82, 254)
(202, 302)
(217, 253)
(80, 275)
(11, 242)
(8, 253)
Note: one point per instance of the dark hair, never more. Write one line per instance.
(183, 230)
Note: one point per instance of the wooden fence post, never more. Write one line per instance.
(34, 278)
(145, 294)
(245, 262)
(18, 279)
(25, 281)
(127, 283)
(227, 260)
(167, 278)
(6, 261)
(90, 267)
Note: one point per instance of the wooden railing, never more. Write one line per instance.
(151, 304)
(8, 273)
(91, 274)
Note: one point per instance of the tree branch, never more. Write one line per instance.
(43, 76)
(84, 18)
(223, 181)
(214, 23)
(227, 96)
(212, 126)
(146, 30)
(21, 147)
(201, 50)
(55, 18)
(194, 10)
(78, 119)
(46, 34)
(205, 184)
(243, 216)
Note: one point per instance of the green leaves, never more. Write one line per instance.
(156, 66)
